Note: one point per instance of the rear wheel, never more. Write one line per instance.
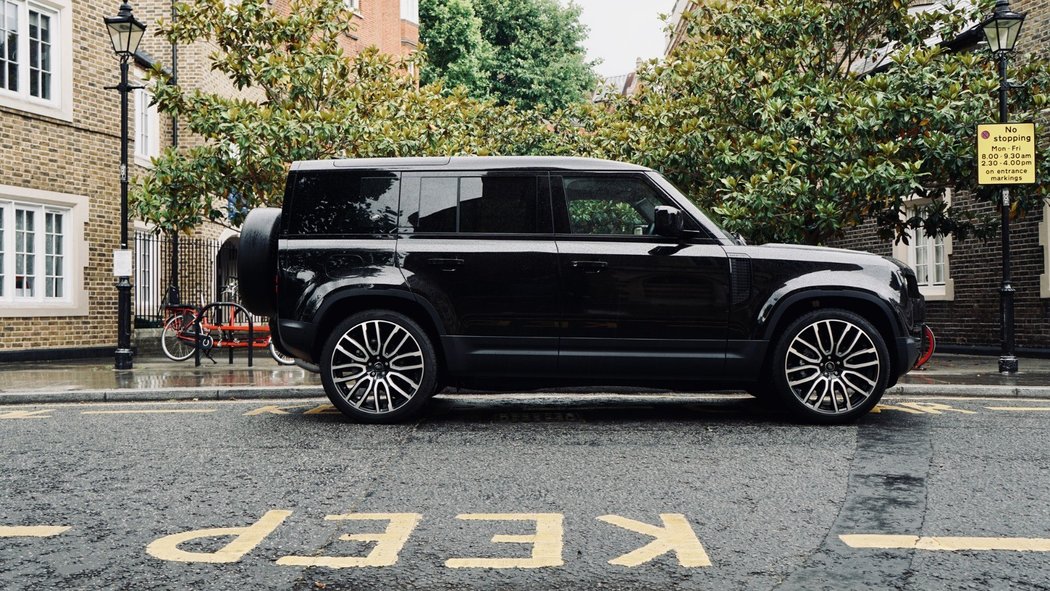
(830, 366)
(379, 367)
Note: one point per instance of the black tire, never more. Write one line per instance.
(257, 261)
(172, 338)
(830, 367)
(370, 361)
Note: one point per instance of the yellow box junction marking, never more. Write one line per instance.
(31, 531)
(385, 553)
(946, 544)
(245, 539)
(676, 536)
(26, 414)
(546, 542)
(1006, 154)
(148, 412)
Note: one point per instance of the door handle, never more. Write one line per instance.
(446, 264)
(590, 266)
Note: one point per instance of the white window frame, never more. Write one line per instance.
(354, 6)
(74, 209)
(1044, 241)
(410, 11)
(906, 253)
(147, 142)
(60, 105)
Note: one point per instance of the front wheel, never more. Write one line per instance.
(379, 366)
(176, 339)
(830, 367)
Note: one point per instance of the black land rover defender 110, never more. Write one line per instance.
(398, 277)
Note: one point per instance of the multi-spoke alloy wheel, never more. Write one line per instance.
(832, 366)
(378, 367)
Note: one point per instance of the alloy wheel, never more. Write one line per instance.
(832, 366)
(377, 367)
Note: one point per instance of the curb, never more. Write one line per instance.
(301, 392)
(172, 394)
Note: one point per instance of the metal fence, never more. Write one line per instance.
(202, 273)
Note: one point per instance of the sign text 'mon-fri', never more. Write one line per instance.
(1006, 154)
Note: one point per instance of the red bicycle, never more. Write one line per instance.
(221, 325)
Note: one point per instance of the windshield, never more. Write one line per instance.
(693, 210)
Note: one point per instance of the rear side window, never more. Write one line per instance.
(341, 202)
(512, 204)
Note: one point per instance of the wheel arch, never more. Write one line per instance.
(865, 304)
(341, 305)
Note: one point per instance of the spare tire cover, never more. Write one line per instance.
(257, 261)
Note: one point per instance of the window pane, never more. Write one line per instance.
(437, 205)
(501, 205)
(610, 205)
(345, 203)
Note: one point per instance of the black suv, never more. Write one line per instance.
(399, 277)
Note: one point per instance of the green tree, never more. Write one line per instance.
(530, 52)
(457, 54)
(798, 119)
(304, 99)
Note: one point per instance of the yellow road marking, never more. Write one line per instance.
(273, 409)
(388, 544)
(919, 408)
(546, 542)
(676, 536)
(946, 543)
(31, 531)
(245, 539)
(1021, 408)
(146, 412)
(26, 414)
(324, 409)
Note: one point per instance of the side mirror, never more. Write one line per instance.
(668, 221)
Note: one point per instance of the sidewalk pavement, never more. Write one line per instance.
(159, 379)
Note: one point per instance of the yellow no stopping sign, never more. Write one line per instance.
(1006, 154)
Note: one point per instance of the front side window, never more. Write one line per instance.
(337, 202)
(613, 206)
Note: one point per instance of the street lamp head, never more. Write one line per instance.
(125, 31)
(1002, 28)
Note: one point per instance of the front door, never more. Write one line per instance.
(638, 307)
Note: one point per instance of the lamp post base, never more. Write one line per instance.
(122, 359)
(1008, 364)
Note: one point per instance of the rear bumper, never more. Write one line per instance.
(297, 338)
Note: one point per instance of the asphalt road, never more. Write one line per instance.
(525, 492)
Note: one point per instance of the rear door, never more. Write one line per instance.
(480, 248)
(638, 307)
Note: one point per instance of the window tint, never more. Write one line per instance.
(344, 203)
(611, 205)
(489, 205)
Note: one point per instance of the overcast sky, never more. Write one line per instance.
(624, 30)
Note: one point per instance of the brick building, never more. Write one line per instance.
(59, 161)
(961, 279)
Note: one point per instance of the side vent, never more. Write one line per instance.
(740, 271)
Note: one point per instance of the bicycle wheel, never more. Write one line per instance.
(281, 357)
(176, 340)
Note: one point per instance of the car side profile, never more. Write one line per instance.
(399, 277)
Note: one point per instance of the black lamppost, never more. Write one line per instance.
(126, 33)
(1001, 31)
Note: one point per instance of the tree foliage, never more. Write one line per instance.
(303, 98)
(798, 119)
(524, 51)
